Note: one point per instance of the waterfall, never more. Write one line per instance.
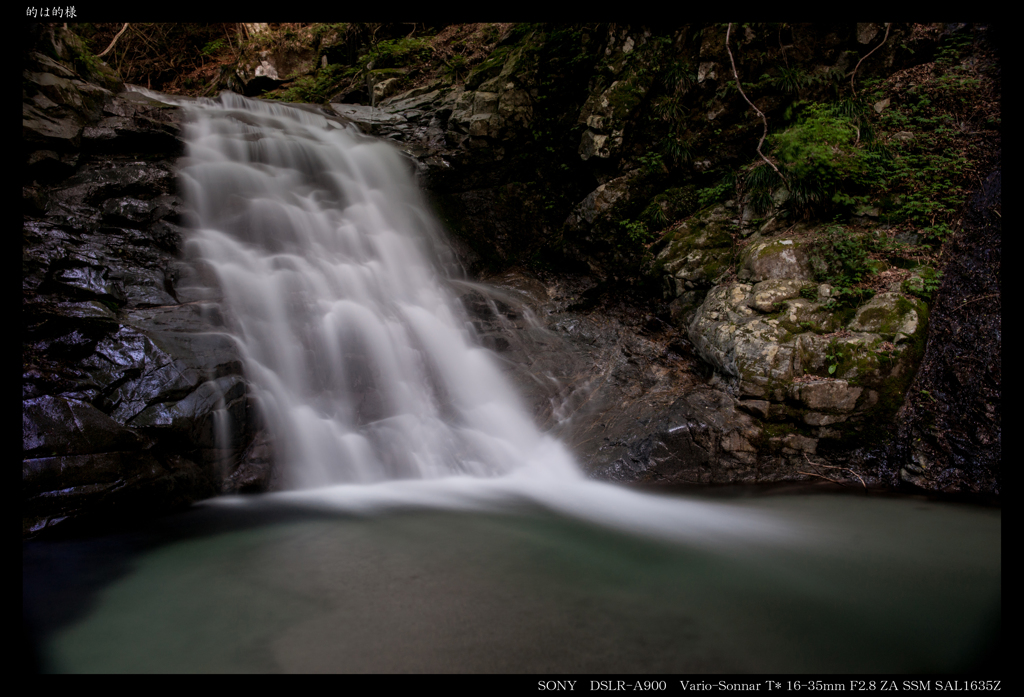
(332, 272)
(332, 278)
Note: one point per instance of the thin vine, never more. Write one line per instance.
(759, 113)
(854, 73)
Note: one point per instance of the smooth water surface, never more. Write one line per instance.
(348, 583)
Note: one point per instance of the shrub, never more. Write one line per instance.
(840, 258)
(820, 156)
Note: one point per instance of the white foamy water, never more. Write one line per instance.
(329, 266)
(500, 555)
(332, 274)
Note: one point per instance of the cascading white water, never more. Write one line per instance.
(329, 267)
(329, 271)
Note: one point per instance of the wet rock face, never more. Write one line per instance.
(950, 426)
(125, 379)
(631, 399)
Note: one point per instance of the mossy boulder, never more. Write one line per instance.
(738, 340)
(894, 316)
(768, 295)
(766, 337)
(775, 257)
(699, 252)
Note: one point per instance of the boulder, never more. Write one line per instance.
(699, 251)
(775, 257)
(892, 315)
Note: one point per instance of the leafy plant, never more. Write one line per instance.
(718, 192)
(840, 258)
(636, 231)
(396, 53)
(654, 215)
(679, 76)
(819, 155)
(312, 88)
(929, 282)
(951, 50)
(213, 47)
(809, 292)
(919, 164)
(669, 107)
(456, 67)
(761, 182)
(833, 356)
(652, 163)
(792, 80)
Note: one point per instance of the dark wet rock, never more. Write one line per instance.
(127, 383)
(630, 402)
(108, 488)
(950, 427)
(53, 424)
(80, 464)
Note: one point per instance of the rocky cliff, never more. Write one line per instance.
(123, 377)
(696, 320)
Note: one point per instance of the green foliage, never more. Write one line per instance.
(323, 29)
(457, 67)
(671, 204)
(833, 355)
(952, 49)
(213, 47)
(636, 231)
(791, 80)
(819, 152)
(679, 76)
(669, 107)
(922, 174)
(397, 53)
(930, 280)
(717, 193)
(313, 89)
(761, 182)
(677, 149)
(652, 163)
(654, 215)
(841, 157)
(840, 258)
(822, 158)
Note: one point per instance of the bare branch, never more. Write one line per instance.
(833, 467)
(107, 49)
(822, 476)
(854, 73)
(763, 119)
(983, 297)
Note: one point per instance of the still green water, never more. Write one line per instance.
(845, 584)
